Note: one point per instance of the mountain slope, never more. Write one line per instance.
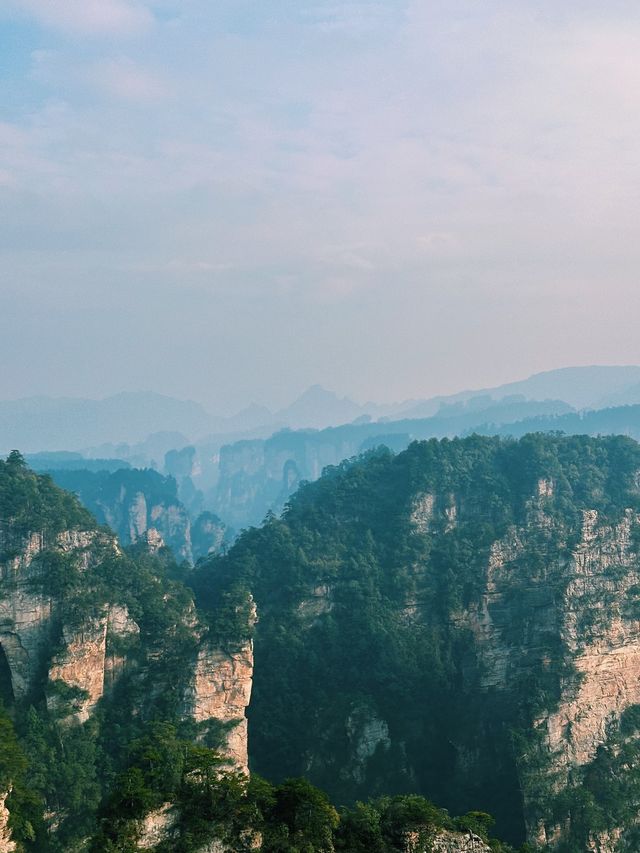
(101, 655)
(579, 387)
(122, 711)
(461, 619)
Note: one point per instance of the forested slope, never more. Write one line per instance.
(458, 620)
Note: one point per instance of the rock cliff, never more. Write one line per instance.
(220, 691)
(93, 640)
(6, 844)
(462, 619)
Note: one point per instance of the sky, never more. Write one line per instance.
(229, 201)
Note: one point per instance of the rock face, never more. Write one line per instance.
(221, 691)
(157, 827)
(367, 734)
(132, 503)
(482, 606)
(584, 596)
(6, 844)
(257, 476)
(208, 534)
(25, 610)
(456, 842)
(220, 687)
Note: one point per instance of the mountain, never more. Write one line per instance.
(259, 476)
(142, 426)
(620, 420)
(627, 396)
(110, 683)
(122, 708)
(579, 387)
(45, 423)
(141, 504)
(460, 620)
(319, 408)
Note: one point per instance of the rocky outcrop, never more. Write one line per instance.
(422, 512)
(131, 502)
(6, 844)
(89, 657)
(605, 649)
(80, 668)
(158, 827)
(220, 692)
(208, 534)
(367, 733)
(583, 597)
(454, 842)
(88, 665)
(258, 476)
(26, 609)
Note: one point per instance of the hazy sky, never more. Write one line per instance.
(230, 200)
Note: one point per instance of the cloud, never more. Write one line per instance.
(123, 78)
(446, 147)
(89, 17)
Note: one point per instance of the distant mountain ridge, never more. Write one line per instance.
(39, 424)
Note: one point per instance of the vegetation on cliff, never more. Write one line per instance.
(411, 642)
(79, 779)
(368, 676)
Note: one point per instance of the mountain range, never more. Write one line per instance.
(158, 423)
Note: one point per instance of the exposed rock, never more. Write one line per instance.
(6, 844)
(221, 691)
(581, 599)
(158, 827)
(172, 521)
(207, 535)
(455, 842)
(25, 610)
(153, 540)
(422, 512)
(81, 666)
(316, 603)
(545, 488)
(137, 517)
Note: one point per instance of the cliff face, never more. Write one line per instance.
(94, 640)
(84, 660)
(583, 600)
(220, 690)
(133, 502)
(6, 844)
(258, 476)
(453, 842)
(462, 620)
(26, 608)
(141, 503)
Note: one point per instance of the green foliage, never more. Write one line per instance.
(32, 503)
(365, 666)
(357, 610)
(12, 759)
(304, 816)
